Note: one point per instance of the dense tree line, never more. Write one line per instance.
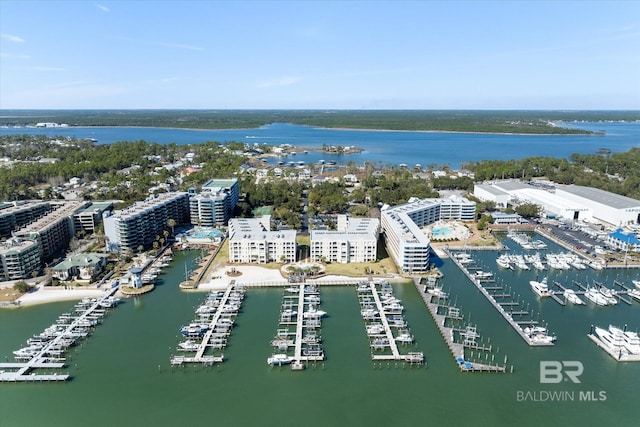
(617, 173)
(443, 120)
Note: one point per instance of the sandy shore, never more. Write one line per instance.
(43, 295)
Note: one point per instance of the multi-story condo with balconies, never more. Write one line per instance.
(18, 258)
(54, 230)
(251, 240)
(139, 224)
(355, 240)
(214, 205)
(406, 242)
(18, 214)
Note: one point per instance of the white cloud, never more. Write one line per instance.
(12, 38)
(40, 68)
(102, 8)
(13, 55)
(284, 81)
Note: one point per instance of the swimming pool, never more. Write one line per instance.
(207, 234)
(441, 231)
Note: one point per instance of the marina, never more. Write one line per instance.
(382, 314)
(447, 317)
(621, 344)
(209, 331)
(299, 327)
(46, 350)
(509, 309)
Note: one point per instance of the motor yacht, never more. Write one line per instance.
(540, 288)
(572, 297)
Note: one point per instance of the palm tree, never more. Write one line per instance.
(171, 223)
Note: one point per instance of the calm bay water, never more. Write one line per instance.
(121, 374)
(385, 148)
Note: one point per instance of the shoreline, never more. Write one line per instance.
(45, 295)
(586, 133)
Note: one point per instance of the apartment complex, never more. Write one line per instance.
(251, 240)
(355, 240)
(54, 230)
(18, 258)
(139, 224)
(88, 218)
(14, 215)
(214, 205)
(406, 242)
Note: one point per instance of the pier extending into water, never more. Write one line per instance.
(220, 313)
(48, 355)
(435, 304)
(382, 317)
(499, 305)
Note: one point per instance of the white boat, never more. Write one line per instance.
(503, 261)
(538, 265)
(404, 338)
(630, 339)
(375, 329)
(618, 341)
(635, 294)
(189, 345)
(205, 309)
(288, 313)
(483, 274)
(596, 297)
(438, 292)
(540, 288)
(313, 313)
(393, 308)
(194, 329)
(538, 334)
(280, 359)
(595, 265)
(369, 314)
(609, 294)
(572, 297)
(636, 283)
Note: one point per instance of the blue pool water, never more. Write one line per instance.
(441, 231)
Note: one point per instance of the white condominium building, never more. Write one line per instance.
(406, 242)
(355, 240)
(18, 258)
(139, 224)
(215, 204)
(251, 240)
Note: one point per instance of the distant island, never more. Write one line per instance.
(517, 122)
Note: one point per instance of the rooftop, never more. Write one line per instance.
(602, 197)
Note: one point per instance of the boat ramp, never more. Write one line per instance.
(46, 350)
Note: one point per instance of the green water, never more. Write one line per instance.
(121, 374)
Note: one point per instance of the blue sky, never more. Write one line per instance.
(320, 55)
